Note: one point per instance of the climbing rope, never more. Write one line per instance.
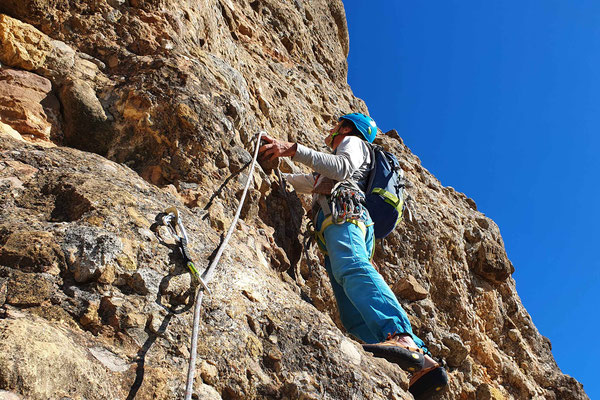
(209, 272)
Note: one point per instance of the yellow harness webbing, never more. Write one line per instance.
(327, 222)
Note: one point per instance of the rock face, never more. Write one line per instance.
(112, 111)
(28, 105)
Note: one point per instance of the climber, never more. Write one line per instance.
(368, 308)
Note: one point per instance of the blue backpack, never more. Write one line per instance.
(385, 193)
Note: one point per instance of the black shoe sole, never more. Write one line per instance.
(429, 384)
(410, 361)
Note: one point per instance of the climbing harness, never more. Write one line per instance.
(209, 272)
(347, 205)
(319, 235)
(171, 220)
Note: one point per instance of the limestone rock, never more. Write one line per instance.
(48, 350)
(28, 104)
(32, 251)
(208, 393)
(458, 352)
(89, 251)
(86, 124)
(410, 289)
(209, 373)
(21, 170)
(177, 288)
(488, 392)
(26, 289)
(109, 359)
(90, 319)
(5, 395)
(489, 261)
(238, 159)
(23, 46)
(145, 281)
(3, 290)
(9, 131)
(513, 334)
(350, 351)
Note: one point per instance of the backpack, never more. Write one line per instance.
(385, 192)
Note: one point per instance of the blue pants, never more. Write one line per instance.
(368, 307)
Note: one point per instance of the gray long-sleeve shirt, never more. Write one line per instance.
(351, 161)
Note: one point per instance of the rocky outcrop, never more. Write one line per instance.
(112, 111)
(28, 105)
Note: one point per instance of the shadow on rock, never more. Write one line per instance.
(176, 295)
(223, 186)
(283, 211)
(141, 356)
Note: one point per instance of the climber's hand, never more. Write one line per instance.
(277, 148)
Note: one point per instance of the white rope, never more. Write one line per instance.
(207, 275)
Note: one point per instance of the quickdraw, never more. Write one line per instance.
(170, 219)
(347, 202)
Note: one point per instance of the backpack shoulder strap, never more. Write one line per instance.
(373, 167)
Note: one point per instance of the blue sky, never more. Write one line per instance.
(501, 100)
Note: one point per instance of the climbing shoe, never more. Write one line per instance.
(426, 383)
(410, 359)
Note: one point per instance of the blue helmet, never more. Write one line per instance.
(365, 125)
